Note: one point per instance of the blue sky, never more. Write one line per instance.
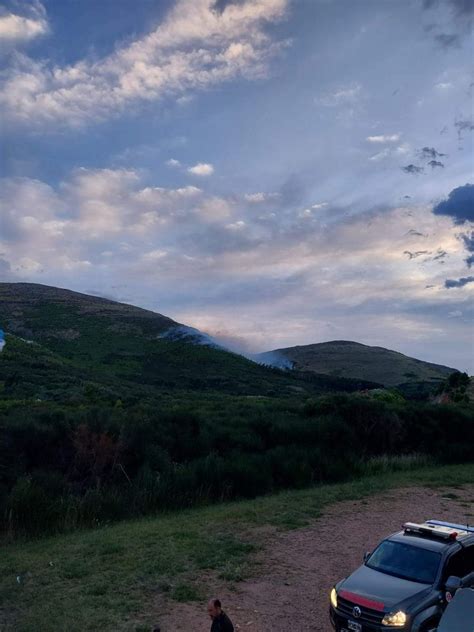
(274, 172)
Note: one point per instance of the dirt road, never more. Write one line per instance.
(296, 569)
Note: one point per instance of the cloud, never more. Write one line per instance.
(201, 169)
(342, 95)
(172, 162)
(460, 7)
(459, 205)
(412, 169)
(16, 29)
(450, 283)
(435, 163)
(448, 40)
(257, 198)
(430, 152)
(415, 255)
(441, 254)
(194, 48)
(468, 240)
(207, 260)
(389, 138)
(460, 18)
(463, 125)
(391, 152)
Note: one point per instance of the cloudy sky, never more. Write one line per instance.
(276, 172)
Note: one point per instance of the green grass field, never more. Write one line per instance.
(107, 578)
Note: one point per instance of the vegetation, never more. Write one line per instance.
(110, 578)
(68, 466)
(342, 358)
(101, 420)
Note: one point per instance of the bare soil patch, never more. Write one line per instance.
(295, 570)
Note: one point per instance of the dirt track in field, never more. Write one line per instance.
(295, 570)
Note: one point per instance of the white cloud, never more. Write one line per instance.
(384, 138)
(443, 85)
(204, 254)
(390, 152)
(19, 28)
(202, 169)
(256, 198)
(343, 95)
(172, 162)
(195, 47)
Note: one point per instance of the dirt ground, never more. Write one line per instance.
(296, 570)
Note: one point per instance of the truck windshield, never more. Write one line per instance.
(405, 561)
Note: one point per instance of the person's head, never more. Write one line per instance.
(214, 608)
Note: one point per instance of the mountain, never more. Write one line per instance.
(59, 341)
(342, 358)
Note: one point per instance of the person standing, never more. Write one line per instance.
(220, 621)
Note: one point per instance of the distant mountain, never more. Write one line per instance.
(82, 341)
(342, 358)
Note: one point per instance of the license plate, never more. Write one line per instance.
(353, 626)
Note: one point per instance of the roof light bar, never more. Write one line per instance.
(451, 525)
(445, 533)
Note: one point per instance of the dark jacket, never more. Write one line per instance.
(222, 623)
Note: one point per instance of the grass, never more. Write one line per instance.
(109, 578)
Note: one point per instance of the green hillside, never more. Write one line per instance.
(102, 419)
(119, 345)
(341, 358)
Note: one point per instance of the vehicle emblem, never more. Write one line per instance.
(356, 612)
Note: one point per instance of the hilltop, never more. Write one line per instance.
(109, 412)
(77, 337)
(358, 361)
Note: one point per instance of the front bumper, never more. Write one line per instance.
(339, 622)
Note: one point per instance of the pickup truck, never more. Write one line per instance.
(407, 581)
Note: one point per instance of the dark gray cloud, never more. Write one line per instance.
(463, 7)
(459, 205)
(463, 125)
(468, 240)
(450, 283)
(415, 233)
(430, 152)
(441, 254)
(448, 40)
(412, 169)
(415, 255)
(435, 163)
(460, 7)
(461, 20)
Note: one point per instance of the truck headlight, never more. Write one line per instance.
(397, 619)
(334, 598)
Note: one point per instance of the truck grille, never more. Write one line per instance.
(368, 615)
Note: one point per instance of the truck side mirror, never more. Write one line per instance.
(367, 554)
(453, 583)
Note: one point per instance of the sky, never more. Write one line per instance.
(272, 172)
